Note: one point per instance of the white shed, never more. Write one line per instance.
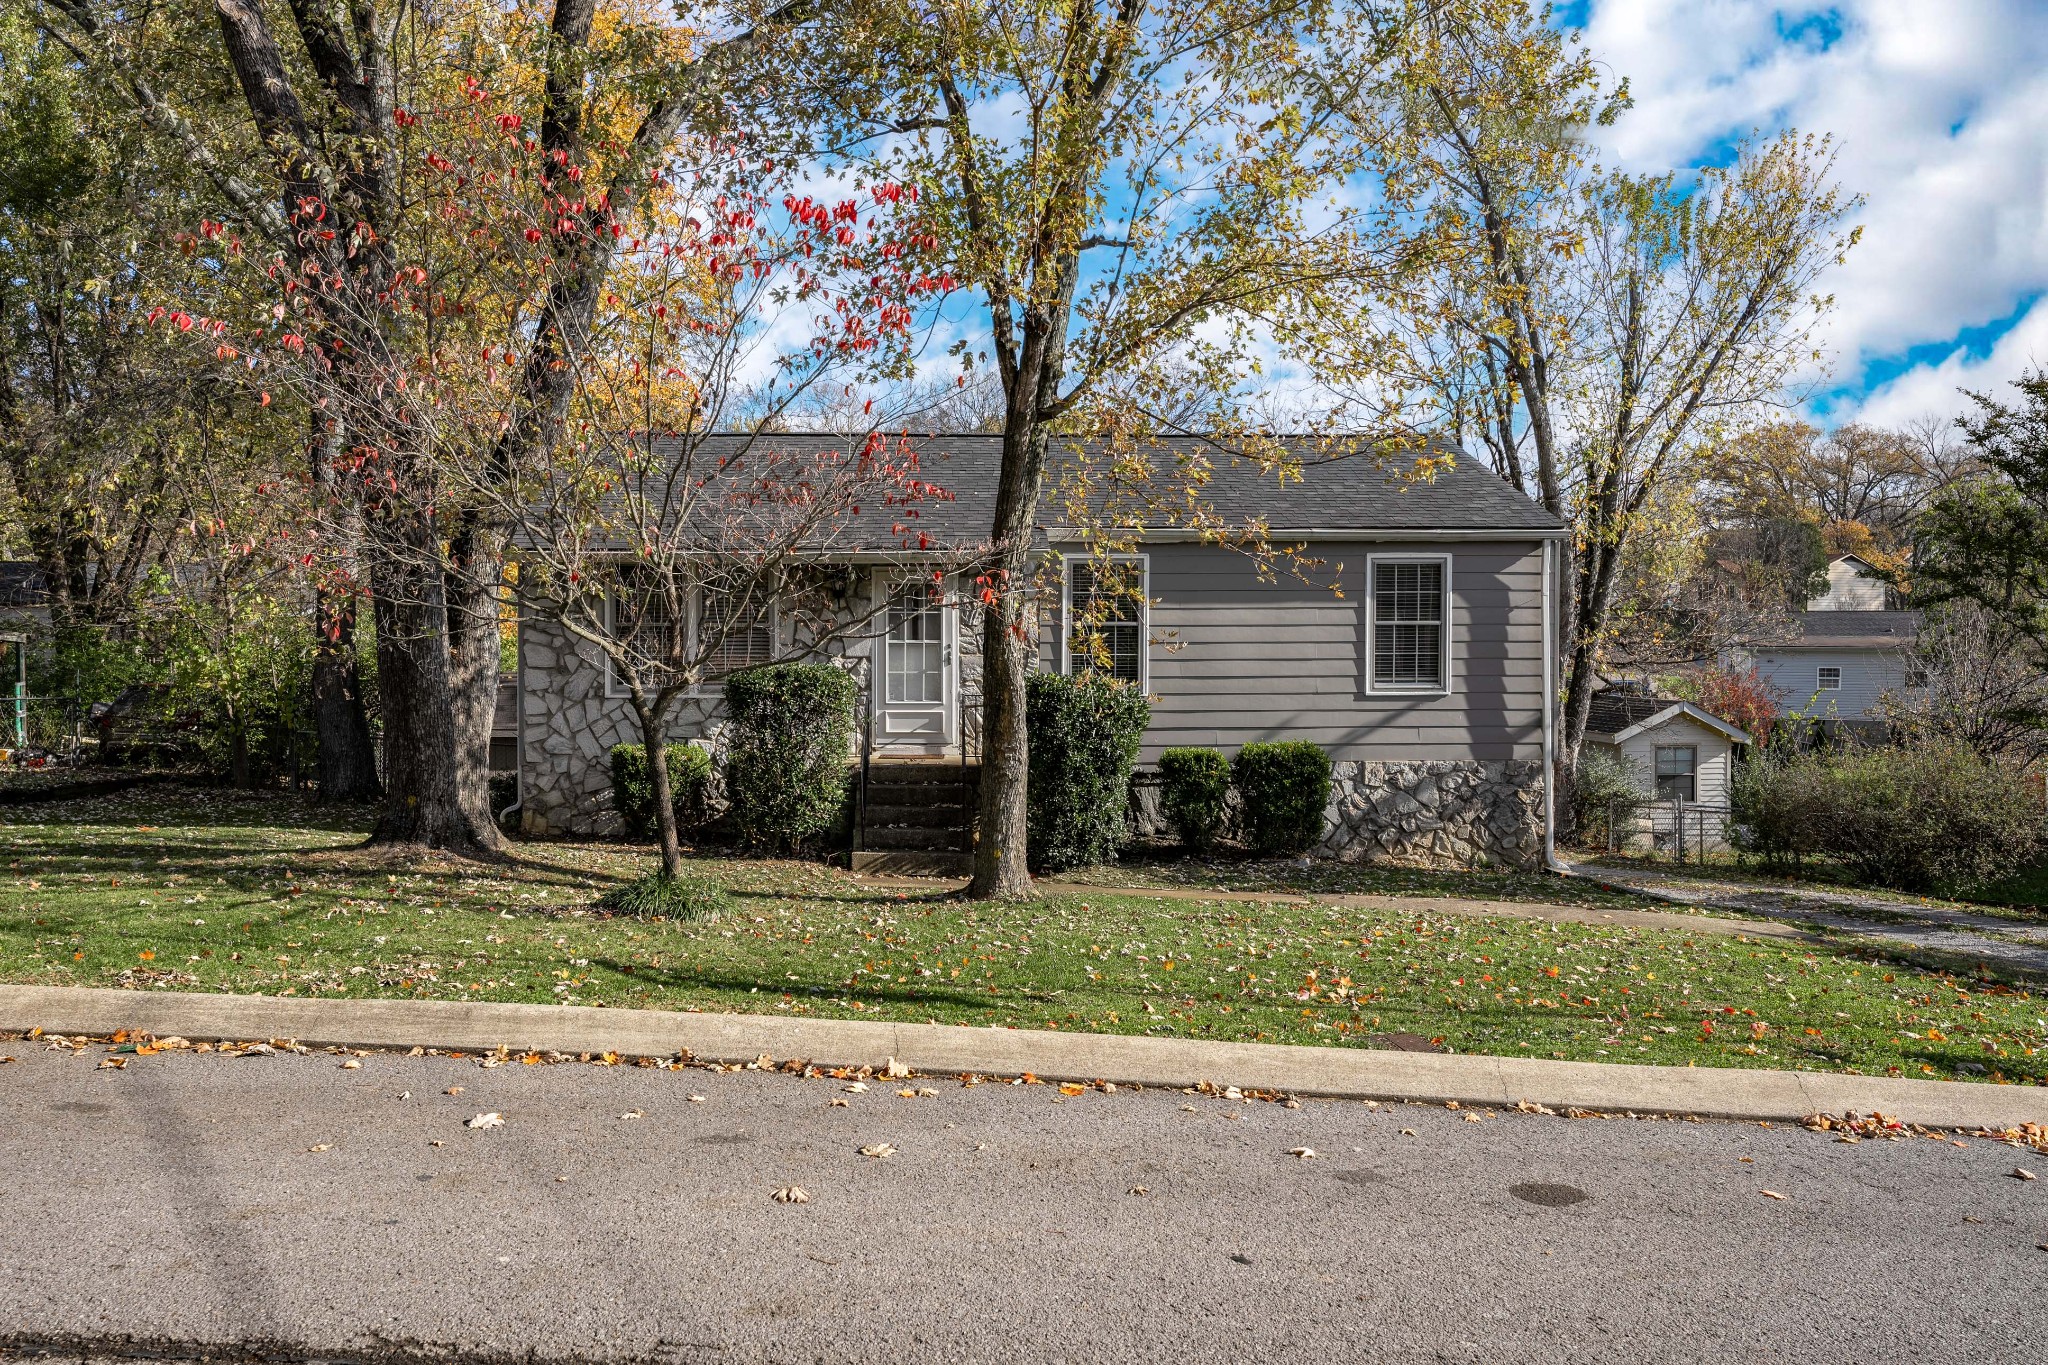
(1685, 754)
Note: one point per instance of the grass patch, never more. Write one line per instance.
(660, 896)
(211, 891)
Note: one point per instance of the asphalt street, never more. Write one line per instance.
(187, 1205)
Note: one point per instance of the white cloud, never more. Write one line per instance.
(1935, 105)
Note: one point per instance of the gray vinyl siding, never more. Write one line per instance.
(1866, 674)
(1234, 659)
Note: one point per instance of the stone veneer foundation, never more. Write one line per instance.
(1440, 813)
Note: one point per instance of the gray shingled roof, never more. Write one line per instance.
(1852, 630)
(1346, 493)
(1613, 711)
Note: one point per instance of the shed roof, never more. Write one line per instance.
(1618, 715)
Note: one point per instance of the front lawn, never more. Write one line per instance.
(205, 890)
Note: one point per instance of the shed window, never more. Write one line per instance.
(1409, 625)
(1677, 769)
(1106, 624)
(1829, 680)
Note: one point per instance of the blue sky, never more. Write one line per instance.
(1940, 110)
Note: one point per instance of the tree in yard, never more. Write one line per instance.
(1125, 185)
(1599, 329)
(320, 172)
(675, 529)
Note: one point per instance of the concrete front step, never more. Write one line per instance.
(909, 837)
(912, 863)
(917, 815)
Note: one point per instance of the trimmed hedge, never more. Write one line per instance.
(689, 773)
(1194, 785)
(1084, 735)
(1286, 788)
(788, 751)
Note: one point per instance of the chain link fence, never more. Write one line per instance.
(1673, 829)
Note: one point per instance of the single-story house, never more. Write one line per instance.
(1684, 754)
(1414, 643)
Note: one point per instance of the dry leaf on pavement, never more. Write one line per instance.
(1770, 1194)
(837, 1102)
(632, 1114)
(351, 1065)
(878, 1150)
(2022, 1173)
(490, 1120)
(1305, 1153)
(791, 1194)
(320, 1147)
(896, 1071)
(696, 1099)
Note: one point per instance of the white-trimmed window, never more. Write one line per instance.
(1828, 680)
(1107, 618)
(1408, 645)
(1678, 772)
(733, 643)
(649, 618)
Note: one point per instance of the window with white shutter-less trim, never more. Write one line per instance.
(1410, 625)
(733, 644)
(1106, 619)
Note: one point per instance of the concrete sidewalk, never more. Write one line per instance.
(1710, 1092)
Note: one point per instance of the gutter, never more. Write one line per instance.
(1550, 858)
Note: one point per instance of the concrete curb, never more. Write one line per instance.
(1350, 1073)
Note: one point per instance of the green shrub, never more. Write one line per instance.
(1286, 788)
(1195, 783)
(788, 750)
(661, 896)
(689, 774)
(1084, 735)
(1606, 779)
(1921, 819)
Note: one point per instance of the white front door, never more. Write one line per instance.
(914, 683)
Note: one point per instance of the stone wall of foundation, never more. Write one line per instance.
(1437, 813)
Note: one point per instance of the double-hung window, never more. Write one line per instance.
(1409, 599)
(735, 634)
(1106, 618)
(1677, 772)
(1828, 680)
(664, 629)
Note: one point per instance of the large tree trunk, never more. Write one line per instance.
(1000, 860)
(408, 588)
(345, 761)
(476, 574)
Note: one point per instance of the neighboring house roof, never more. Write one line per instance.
(1349, 494)
(22, 584)
(1850, 630)
(1618, 716)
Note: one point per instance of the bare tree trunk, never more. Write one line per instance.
(651, 740)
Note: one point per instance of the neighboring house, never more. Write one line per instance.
(1413, 647)
(1853, 585)
(1683, 754)
(1843, 652)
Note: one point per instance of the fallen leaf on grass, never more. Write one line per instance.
(1771, 1194)
(490, 1120)
(880, 1151)
(791, 1194)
